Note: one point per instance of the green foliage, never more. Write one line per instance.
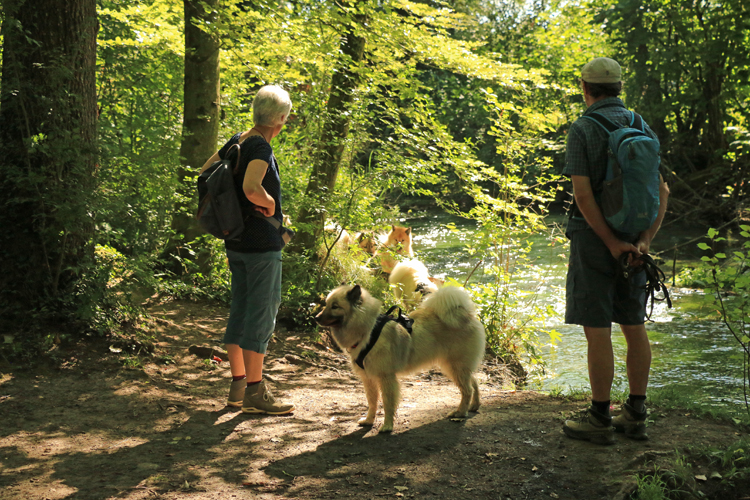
(674, 479)
(140, 65)
(651, 487)
(509, 208)
(727, 280)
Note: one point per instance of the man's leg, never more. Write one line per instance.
(595, 426)
(632, 420)
(601, 362)
(638, 359)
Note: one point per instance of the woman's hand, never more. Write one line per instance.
(265, 211)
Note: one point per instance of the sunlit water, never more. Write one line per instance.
(688, 350)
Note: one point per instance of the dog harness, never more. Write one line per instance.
(402, 319)
(423, 288)
(654, 279)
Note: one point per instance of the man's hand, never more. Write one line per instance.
(619, 247)
(643, 246)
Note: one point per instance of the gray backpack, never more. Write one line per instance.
(219, 210)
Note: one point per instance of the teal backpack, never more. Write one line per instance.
(630, 197)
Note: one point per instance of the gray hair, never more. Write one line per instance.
(271, 106)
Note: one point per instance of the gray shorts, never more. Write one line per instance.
(256, 296)
(596, 294)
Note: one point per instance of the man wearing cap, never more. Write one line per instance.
(596, 294)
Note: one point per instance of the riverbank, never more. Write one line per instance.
(108, 424)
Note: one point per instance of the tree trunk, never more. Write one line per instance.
(48, 153)
(333, 137)
(713, 132)
(201, 120)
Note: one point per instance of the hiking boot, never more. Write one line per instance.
(258, 399)
(236, 393)
(593, 426)
(631, 422)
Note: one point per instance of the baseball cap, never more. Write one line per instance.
(601, 70)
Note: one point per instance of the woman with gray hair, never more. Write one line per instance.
(255, 257)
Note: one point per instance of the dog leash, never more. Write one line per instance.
(402, 319)
(655, 278)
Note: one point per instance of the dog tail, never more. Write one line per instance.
(452, 305)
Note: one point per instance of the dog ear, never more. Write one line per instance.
(354, 294)
(408, 230)
(393, 228)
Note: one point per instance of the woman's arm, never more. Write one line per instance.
(254, 190)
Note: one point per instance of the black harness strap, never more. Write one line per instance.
(401, 319)
(423, 288)
(654, 280)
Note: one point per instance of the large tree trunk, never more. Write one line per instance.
(320, 187)
(200, 128)
(48, 116)
(713, 132)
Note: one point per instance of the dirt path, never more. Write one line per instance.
(97, 430)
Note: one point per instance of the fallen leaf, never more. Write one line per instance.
(701, 477)
(534, 469)
(400, 488)
(490, 455)
(276, 440)
(250, 484)
(715, 475)
(554, 495)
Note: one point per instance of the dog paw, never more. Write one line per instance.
(385, 429)
(474, 409)
(365, 422)
(458, 414)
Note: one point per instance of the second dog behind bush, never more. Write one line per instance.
(411, 282)
(397, 242)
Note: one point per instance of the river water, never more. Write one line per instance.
(689, 350)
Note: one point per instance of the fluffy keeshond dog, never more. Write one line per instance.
(445, 332)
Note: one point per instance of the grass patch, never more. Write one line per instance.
(682, 399)
(708, 472)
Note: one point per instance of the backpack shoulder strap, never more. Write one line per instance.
(602, 121)
(237, 161)
(637, 122)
